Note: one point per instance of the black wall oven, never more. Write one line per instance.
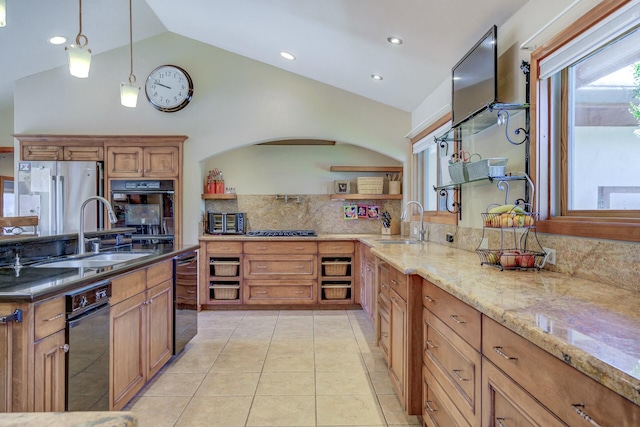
(147, 206)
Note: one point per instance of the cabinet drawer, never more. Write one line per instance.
(277, 267)
(49, 317)
(455, 364)
(127, 285)
(557, 385)
(336, 247)
(158, 273)
(42, 152)
(398, 282)
(280, 247)
(462, 318)
(437, 409)
(84, 153)
(505, 400)
(224, 247)
(279, 292)
(384, 279)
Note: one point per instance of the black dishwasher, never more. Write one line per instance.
(87, 360)
(185, 299)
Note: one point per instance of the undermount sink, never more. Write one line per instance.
(95, 261)
(398, 242)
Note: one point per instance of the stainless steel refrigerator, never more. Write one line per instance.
(55, 191)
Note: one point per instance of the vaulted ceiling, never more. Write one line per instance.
(337, 42)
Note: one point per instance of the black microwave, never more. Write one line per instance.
(225, 222)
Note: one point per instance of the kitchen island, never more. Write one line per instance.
(34, 329)
(591, 327)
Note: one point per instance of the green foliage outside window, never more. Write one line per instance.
(635, 108)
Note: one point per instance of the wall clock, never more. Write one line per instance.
(169, 88)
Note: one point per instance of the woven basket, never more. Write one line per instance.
(335, 268)
(225, 268)
(370, 184)
(458, 172)
(335, 292)
(225, 291)
(487, 167)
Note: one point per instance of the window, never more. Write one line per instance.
(587, 140)
(427, 173)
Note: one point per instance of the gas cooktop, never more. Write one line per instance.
(283, 233)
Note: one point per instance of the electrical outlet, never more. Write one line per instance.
(484, 243)
(415, 231)
(449, 237)
(551, 259)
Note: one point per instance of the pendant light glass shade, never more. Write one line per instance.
(129, 94)
(79, 60)
(3, 13)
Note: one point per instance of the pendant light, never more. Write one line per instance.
(79, 54)
(3, 13)
(129, 91)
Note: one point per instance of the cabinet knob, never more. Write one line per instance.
(427, 406)
(65, 348)
(500, 423)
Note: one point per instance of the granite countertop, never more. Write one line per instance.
(69, 419)
(33, 284)
(591, 326)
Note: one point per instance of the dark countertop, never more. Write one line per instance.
(33, 284)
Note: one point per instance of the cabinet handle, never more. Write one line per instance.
(299, 248)
(382, 285)
(262, 267)
(224, 248)
(430, 344)
(578, 407)
(394, 282)
(262, 248)
(261, 292)
(300, 292)
(500, 422)
(428, 298)
(191, 292)
(65, 348)
(498, 350)
(384, 334)
(457, 320)
(57, 316)
(456, 373)
(427, 406)
(300, 267)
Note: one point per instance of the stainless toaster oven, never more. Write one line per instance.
(225, 222)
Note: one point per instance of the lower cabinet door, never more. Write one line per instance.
(50, 373)
(383, 340)
(128, 362)
(160, 326)
(437, 408)
(398, 344)
(505, 404)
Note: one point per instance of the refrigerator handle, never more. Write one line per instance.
(53, 207)
(60, 207)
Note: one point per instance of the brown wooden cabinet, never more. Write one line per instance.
(400, 293)
(336, 272)
(141, 329)
(280, 272)
(569, 394)
(142, 162)
(61, 152)
(367, 276)
(50, 373)
(49, 355)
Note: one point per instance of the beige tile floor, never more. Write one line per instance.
(275, 368)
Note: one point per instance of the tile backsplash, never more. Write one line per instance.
(316, 211)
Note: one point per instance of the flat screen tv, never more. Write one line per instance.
(475, 79)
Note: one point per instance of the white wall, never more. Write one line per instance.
(237, 102)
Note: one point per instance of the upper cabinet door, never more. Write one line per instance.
(161, 162)
(124, 162)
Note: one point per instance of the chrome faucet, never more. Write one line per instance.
(112, 219)
(404, 217)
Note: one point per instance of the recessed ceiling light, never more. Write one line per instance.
(287, 55)
(376, 76)
(394, 40)
(57, 40)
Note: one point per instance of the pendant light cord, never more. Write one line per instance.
(81, 36)
(132, 77)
